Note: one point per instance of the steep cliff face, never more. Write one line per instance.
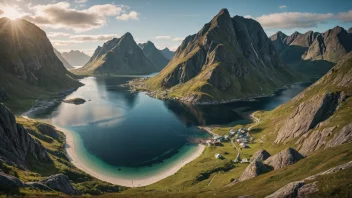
(312, 53)
(76, 57)
(62, 59)
(220, 60)
(319, 116)
(16, 144)
(167, 53)
(330, 46)
(154, 55)
(28, 55)
(119, 56)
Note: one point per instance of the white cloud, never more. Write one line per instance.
(293, 20)
(173, 48)
(178, 39)
(282, 6)
(248, 16)
(133, 15)
(58, 34)
(65, 42)
(345, 16)
(62, 15)
(163, 37)
(101, 37)
(80, 1)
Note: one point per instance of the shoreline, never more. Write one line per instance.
(80, 164)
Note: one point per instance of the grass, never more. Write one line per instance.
(60, 164)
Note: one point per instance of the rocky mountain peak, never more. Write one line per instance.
(278, 35)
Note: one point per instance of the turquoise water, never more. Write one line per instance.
(132, 136)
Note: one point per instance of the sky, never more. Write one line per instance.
(85, 24)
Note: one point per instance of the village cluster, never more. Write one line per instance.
(242, 136)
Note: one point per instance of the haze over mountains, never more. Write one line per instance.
(228, 58)
(123, 56)
(62, 59)
(153, 54)
(313, 52)
(76, 57)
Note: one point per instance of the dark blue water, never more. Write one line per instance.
(126, 129)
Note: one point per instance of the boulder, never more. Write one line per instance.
(60, 182)
(254, 169)
(307, 189)
(288, 191)
(284, 158)
(260, 155)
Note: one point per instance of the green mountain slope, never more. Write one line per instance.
(29, 66)
(229, 58)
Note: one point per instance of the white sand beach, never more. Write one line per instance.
(80, 164)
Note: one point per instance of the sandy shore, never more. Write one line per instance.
(79, 163)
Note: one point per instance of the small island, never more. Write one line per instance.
(76, 101)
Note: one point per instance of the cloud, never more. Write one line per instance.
(58, 34)
(133, 15)
(163, 37)
(282, 6)
(345, 16)
(248, 16)
(61, 15)
(173, 48)
(293, 20)
(80, 1)
(101, 37)
(65, 42)
(178, 39)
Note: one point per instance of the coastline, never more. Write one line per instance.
(79, 163)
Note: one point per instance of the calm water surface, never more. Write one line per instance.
(136, 134)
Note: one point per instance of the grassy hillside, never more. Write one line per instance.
(60, 164)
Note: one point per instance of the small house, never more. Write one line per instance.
(226, 137)
(218, 156)
(245, 160)
(243, 145)
(218, 138)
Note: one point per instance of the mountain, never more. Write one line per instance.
(153, 54)
(76, 57)
(349, 30)
(312, 53)
(62, 59)
(167, 53)
(229, 58)
(28, 64)
(119, 56)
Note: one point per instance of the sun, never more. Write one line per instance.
(11, 12)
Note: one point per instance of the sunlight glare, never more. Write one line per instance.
(11, 13)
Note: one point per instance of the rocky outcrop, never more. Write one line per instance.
(218, 62)
(154, 55)
(321, 139)
(349, 30)
(48, 130)
(301, 189)
(167, 53)
(61, 183)
(16, 145)
(254, 169)
(119, 56)
(308, 114)
(284, 158)
(76, 57)
(260, 155)
(62, 59)
(290, 190)
(8, 182)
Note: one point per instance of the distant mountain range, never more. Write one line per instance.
(28, 64)
(153, 54)
(122, 56)
(313, 52)
(76, 57)
(229, 58)
(62, 59)
(167, 53)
